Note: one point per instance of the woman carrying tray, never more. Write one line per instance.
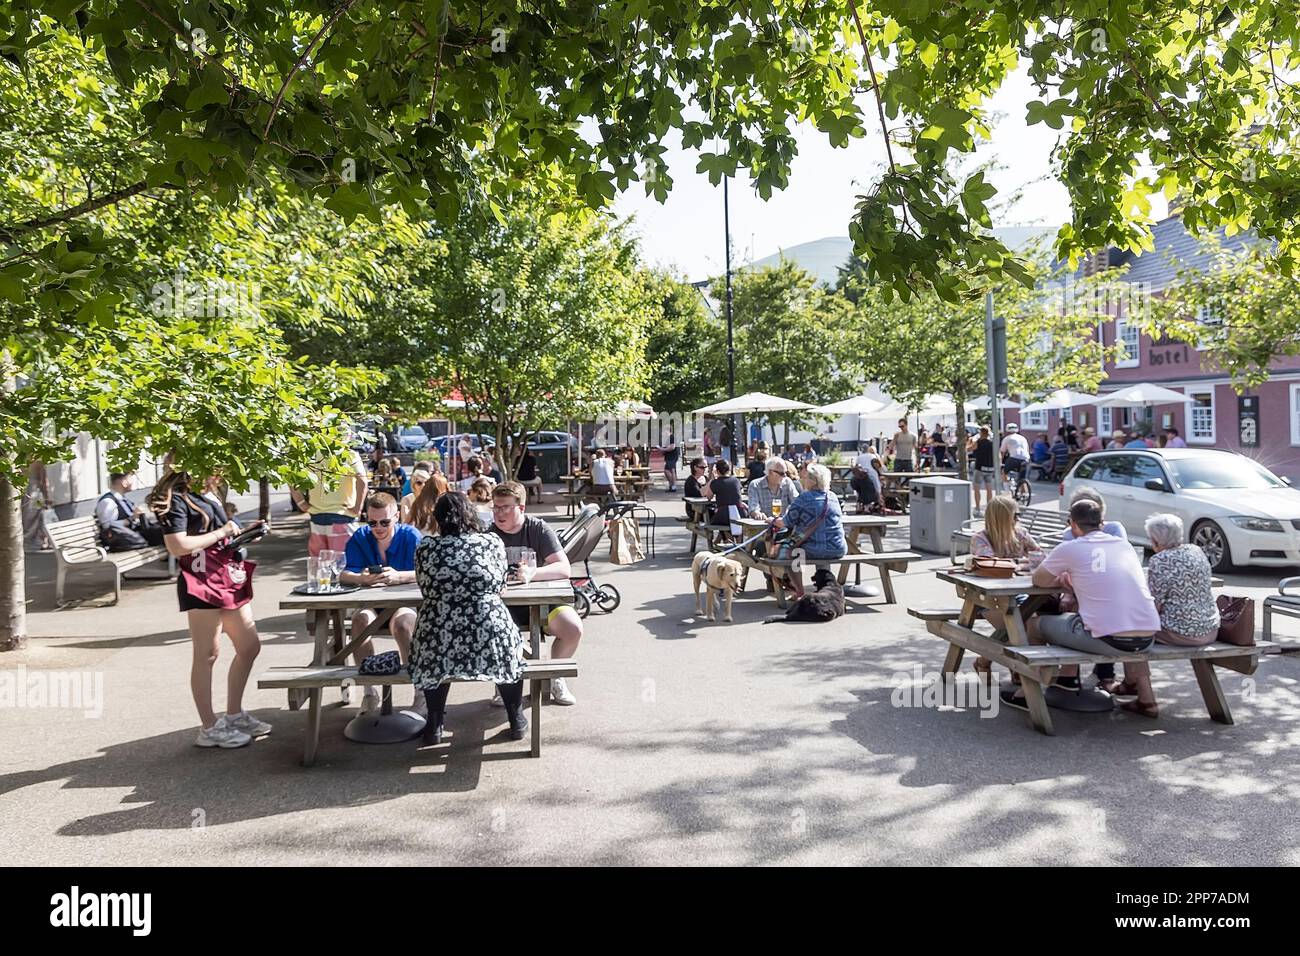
(215, 586)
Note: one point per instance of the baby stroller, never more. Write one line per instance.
(579, 540)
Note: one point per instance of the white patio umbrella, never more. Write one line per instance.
(981, 404)
(1144, 394)
(857, 405)
(634, 410)
(1059, 399)
(752, 402)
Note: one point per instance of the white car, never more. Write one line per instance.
(1236, 510)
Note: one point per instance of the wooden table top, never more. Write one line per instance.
(408, 595)
(918, 474)
(994, 587)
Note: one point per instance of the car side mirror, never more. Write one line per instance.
(1156, 484)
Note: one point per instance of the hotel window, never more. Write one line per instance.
(1126, 334)
(1211, 317)
(1201, 427)
(1038, 420)
(1295, 414)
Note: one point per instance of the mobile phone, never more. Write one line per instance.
(375, 569)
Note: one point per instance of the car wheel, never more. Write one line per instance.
(1209, 537)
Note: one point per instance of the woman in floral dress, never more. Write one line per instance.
(464, 630)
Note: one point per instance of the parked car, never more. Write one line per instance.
(447, 443)
(543, 441)
(1236, 510)
(412, 438)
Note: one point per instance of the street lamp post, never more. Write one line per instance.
(736, 419)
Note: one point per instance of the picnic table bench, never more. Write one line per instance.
(76, 546)
(332, 647)
(1039, 664)
(854, 527)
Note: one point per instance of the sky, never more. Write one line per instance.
(686, 232)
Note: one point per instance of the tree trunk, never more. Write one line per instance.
(264, 500)
(13, 567)
(13, 593)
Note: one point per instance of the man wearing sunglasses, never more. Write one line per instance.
(382, 553)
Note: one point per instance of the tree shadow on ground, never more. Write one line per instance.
(168, 777)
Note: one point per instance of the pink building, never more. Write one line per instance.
(1262, 423)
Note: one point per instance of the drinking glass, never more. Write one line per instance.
(325, 560)
(313, 574)
(323, 571)
(340, 563)
(776, 507)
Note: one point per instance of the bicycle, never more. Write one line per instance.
(1022, 491)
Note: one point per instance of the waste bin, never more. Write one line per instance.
(938, 507)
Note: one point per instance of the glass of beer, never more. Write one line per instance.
(776, 507)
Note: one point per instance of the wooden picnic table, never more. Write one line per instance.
(1037, 665)
(854, 527)
(329, 612)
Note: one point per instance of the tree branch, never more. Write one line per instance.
(302, 60)
(90, 205)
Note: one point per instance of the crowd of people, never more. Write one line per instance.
(1108, 602)
(393, 528)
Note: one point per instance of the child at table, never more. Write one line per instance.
(1002, 537)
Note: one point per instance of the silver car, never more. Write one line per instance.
(1236, 510)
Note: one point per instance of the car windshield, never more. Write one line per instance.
(413, 431)
(1225, 472)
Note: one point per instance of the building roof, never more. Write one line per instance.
(1175, 249)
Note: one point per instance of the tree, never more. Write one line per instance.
(535, 321)
(364, 104)
(927, 347)
(792, 338)
(1241, 314)
(686, 349)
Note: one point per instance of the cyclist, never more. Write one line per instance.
(1015, 453)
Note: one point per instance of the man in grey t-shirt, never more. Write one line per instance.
(904, 448)
(517, 530)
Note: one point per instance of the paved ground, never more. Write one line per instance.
(691, 742)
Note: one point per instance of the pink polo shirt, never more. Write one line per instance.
(1109, 582)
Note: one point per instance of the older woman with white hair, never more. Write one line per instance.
(774, 485)
(1179, 578)
(815, 522)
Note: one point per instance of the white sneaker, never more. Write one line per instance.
(560, 693)
(246, 723)
(369, 701)
(221, 734)
(421, 705)
(978, 513)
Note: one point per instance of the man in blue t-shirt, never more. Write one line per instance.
(379, 554)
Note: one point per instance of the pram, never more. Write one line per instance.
(579, 540)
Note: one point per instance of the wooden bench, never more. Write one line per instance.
(312, 680)
(935, 613)
(1045, 527)
(884, 562)
(76, 546)
(1039, 664)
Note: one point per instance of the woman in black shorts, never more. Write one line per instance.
(214, 587)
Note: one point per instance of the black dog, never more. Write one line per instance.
(823, 604)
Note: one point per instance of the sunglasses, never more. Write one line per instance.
(383, 523)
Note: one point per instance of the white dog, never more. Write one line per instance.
(721, 577)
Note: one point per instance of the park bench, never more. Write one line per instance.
(76, 546)
(313, 679)
(884, 561)
(1288, 605)
(1045, 527)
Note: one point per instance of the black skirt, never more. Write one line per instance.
(187, 601)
